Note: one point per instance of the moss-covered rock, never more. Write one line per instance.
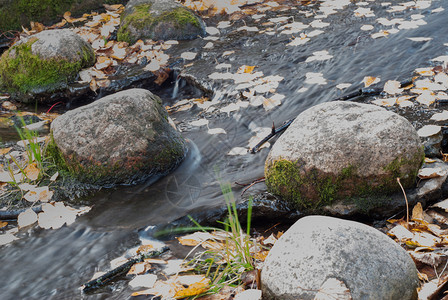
(159, 20)
(121, 138)
(43, 62)
(343, 150)
(17, 13)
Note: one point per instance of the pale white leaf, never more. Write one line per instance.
(237, 151)
(143, 281)
(443, 116)
(367, 27)
(420, 39)
(55, 176)
(427, 173)
(212, 30)
(342, 86)
(429, 130)
(26, 218)
(188, 55)
(216, 131)
(7, 238)
(251, 294)
(199, 123)
(392, 87)
(319, 24)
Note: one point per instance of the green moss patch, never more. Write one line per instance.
(141, 19)
(134, 169)
(311, 189)
(24, 71)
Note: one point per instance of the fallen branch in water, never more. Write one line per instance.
(249, 185)
(120, 270)
(14, 214)
(274, 132)
(358, 93)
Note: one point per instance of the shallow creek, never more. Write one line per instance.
(53, 264)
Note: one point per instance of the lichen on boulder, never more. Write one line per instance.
(43, 62)
(343, 151)
(159, 20)
(122, 138)
(369, 264)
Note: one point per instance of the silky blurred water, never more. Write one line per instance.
(52, 264)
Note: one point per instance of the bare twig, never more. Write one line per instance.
(407, 204)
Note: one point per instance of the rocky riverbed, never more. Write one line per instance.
(263, 64)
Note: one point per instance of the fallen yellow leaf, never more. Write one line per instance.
(193, 289)
(369, 80)
(417, 212)
(246, 69)
(32, 171)
(3, 224)
(4, 151)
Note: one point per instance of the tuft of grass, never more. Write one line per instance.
(226, 264)
(34, 150)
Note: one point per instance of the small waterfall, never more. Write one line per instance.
(176, 88)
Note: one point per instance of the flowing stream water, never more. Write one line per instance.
(53, 264)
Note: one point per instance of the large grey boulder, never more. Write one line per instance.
(343, 151)
(121, 138)
(43, 62)
(318, 248)
(159, 20)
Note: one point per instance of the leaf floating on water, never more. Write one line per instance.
(382, 33)
(332, 289)
(26, 218)
(367, 27)
(7, 238)
(199, 123)
(237, 151)
(343, 86)
(315, 78)
(299, 41)
(319, 55)
(429, 130)
(246, 69)
(216, 131)
(369, 80)
(3, 224)
(188, 55)
(419, 39)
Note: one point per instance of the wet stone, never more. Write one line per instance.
(121, 138)
(316, 248)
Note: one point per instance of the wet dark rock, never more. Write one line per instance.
(121, 138)
(43, 63)
(159, 20)
(317, 248)
(343, 151)
(266, 209)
